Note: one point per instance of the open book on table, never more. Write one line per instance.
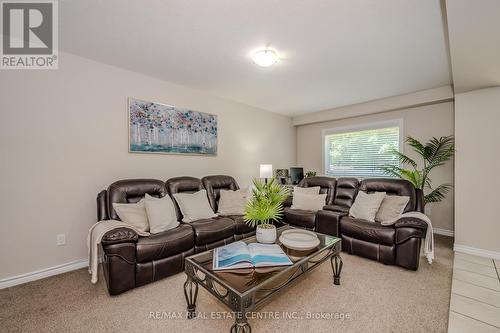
(241, 255)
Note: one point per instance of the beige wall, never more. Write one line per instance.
(477, 119)
(63, 137)
(420, 122)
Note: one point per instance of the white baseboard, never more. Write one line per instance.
(476, 252)
(43, 273)
(444, 232)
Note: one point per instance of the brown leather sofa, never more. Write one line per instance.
(131, 261)
(398, 244)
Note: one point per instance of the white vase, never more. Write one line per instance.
(266, 235)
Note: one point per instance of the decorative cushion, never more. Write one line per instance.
(194, 206)
(161, 213)
(313, 202)
(233, 202)
(392, 206)
(306, 190)
(366, 205)
(133, 213)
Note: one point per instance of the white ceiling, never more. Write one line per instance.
(474, 32)
(334, 53)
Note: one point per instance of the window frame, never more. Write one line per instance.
(396, 122)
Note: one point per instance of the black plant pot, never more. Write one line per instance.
(420, 204)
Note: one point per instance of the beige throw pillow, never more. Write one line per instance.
(133, 213)
(233, 202)
(392, 206)
(312, 202)
(306, 190)
(161, 214)
(194, 206)
(366, 205)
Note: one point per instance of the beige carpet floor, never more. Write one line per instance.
(372, 298)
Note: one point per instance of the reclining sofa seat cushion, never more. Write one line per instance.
(368, 231)
(208, 233)
(214, 184)
(164, 244)
(307, 218)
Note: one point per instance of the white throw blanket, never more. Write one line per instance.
(96, 232)
(428, 245)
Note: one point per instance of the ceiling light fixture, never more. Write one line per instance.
(265, 58)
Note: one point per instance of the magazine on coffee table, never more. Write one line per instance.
(242, 255)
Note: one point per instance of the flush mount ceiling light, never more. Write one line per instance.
(265, 58)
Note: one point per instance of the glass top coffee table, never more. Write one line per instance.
(246, 290)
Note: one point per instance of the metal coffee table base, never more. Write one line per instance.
(242, 304)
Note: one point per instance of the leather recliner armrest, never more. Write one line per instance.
(328, 222)
(409, 227)
(119, 235)
(411, 222)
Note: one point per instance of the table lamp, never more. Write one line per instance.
(266, 171)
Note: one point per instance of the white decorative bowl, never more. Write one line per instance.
(298, 239)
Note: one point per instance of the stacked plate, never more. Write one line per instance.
(298, 239)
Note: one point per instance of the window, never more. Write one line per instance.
(362, 151)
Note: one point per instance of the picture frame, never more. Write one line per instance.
(157, 128)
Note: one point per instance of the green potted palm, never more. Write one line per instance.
(265, 207)
(432, 154)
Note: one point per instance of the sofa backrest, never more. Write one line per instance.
(182, 185)
(326, 184)
(346, 191)
(131, 191)
(391, 187)
(214, 184)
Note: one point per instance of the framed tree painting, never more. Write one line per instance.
(160, 128)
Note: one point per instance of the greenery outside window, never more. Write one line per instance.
(361, 152)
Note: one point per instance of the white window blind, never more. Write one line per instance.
(360, 153)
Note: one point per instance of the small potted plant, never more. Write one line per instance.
(311, 173)
(265, 207)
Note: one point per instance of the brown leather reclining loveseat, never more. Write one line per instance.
(398, 244)
(131, 261)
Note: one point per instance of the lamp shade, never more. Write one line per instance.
(266, 171)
